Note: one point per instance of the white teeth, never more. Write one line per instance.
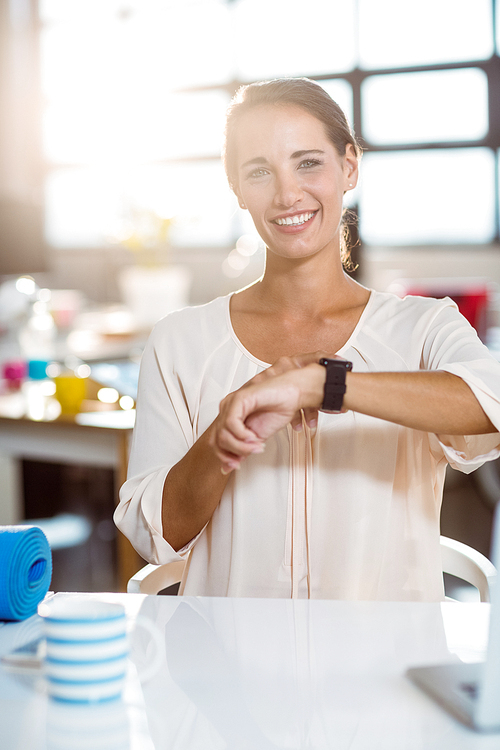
(293, 220)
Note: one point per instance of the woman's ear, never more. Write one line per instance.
(239, 198)
(351, 168)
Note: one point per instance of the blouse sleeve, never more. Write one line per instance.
(163, 433)
(453, 345)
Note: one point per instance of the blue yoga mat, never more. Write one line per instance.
(25, 571)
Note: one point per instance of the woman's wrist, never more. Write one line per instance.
(313, 388)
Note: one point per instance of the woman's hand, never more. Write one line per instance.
(282, 366)
(278, 396)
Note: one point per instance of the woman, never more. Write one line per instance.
(234, 466)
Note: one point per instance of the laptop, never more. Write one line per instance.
(471, 691)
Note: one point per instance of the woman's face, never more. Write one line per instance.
(291, 179)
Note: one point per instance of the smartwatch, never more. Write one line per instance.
(336, 370)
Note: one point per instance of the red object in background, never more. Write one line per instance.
(474, 307)
(14, 372)
(473, 299)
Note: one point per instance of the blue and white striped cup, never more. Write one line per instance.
(87, 648)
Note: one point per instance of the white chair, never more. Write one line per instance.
(154, 578)
(469, 565)
(458, 560)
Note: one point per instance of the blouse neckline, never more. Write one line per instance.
(263, 364)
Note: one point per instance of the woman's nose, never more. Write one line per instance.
(288, 190)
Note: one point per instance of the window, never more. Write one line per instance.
(275, 38)
(135, 93)
(395, 34)
(438, 196)
(429, 107)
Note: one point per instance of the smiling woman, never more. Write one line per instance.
(294, 194)
(321, 116)
(292, 438)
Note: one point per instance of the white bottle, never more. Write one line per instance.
(37, 337)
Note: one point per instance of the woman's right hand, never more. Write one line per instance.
(286, 364)
(278, 396)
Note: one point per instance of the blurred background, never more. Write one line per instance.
(114, 209)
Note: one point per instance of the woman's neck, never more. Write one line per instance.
(304, 288)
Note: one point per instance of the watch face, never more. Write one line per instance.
(340, 363)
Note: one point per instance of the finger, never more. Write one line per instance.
(226, 467)
(221, 439)
(260, 377)
(228, 461)
(284, 364)
(231, 462)
(281, 366)
(311, 417)
(232, 419)
(226, 443)
(297, 422)
(302, 360)
(239, 431)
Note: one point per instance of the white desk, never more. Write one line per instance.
(263, 674)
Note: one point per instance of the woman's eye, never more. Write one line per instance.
(309, 163)
(257, 173)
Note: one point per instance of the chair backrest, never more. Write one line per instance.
(154, 578)
(458, 559)
(462, 561)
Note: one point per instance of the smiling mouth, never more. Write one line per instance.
(293, 221)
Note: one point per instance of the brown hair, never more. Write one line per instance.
(300, 92)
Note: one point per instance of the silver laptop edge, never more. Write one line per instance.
(471, 691)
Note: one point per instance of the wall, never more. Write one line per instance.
(381, 266)
(96, 271)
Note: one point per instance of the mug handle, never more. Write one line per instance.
(150, 670)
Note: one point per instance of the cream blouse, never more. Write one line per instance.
(350, 512)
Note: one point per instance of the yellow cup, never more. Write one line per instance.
(70, 392)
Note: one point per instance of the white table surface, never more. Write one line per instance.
(252, 674)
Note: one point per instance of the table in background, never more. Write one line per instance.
(89, 439)
(263, 674)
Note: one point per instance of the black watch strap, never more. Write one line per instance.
(336, 371)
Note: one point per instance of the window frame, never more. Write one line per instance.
(356, 78)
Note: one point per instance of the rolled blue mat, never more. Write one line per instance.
(25, 571)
